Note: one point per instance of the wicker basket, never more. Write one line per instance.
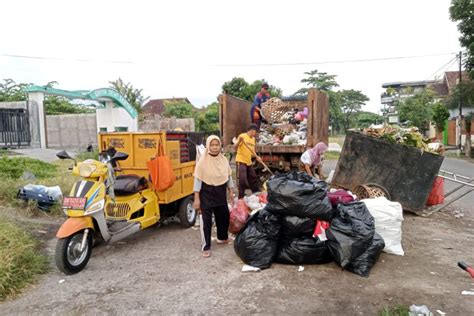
(370, 190)
(274, 109)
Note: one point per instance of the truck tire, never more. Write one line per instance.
(187, 213)
(69, 259)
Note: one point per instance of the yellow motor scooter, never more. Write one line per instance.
(104, 205)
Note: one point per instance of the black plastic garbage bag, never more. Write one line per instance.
(303, 250)
(292, 226)
(298, 194)
(351, 232)
(257, 243)
(362, 264)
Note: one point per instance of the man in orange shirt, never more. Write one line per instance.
(245, 147)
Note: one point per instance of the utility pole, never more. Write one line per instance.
(460, 104)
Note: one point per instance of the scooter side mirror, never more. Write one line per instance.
(64, 155)
(119, 156)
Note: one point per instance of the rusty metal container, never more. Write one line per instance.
(406, 173)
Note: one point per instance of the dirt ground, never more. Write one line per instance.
(161, 271)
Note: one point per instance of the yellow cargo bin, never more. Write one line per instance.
(143, 146)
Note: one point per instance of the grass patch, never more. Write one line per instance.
(20, 261)
(56, 174)
(15, 167)
(331, 155)
(399, 310)
(339, 139)
(87, 155)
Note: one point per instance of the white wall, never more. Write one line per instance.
(112, 117)
(455, 112)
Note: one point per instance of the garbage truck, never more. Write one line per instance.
(234, 119)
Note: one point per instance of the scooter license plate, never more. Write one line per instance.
(76, 203)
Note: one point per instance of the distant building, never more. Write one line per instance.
(399, 90)
(443, 88)
(151, 118)
(157, 106)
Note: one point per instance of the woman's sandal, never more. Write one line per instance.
(206, 253)
(226, 242)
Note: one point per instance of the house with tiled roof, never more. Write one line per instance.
(157, 106)
(443, 88)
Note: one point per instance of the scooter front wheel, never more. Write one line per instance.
(70, 258)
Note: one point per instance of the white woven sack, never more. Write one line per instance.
(388, 217)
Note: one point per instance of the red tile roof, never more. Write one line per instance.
(440, 88)
(452, 78)
(157, 106)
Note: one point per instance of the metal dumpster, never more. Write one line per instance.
(407, 173)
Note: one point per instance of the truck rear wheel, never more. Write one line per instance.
(187, 213)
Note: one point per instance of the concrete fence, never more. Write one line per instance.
(156, 122)
(71, 131)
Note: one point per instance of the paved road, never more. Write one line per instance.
(465, 168)
(46, 155)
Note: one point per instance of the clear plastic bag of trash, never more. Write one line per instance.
(253, 202)
(53, 192)
(419, 310)
(44, 196)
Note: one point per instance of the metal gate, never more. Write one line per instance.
(14, 128)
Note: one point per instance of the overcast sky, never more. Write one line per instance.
(185, 48)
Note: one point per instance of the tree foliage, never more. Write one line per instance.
(364, 119)
(178, 109)
(207, 119)
(464, 90)
(10, 91)
(55, 105)
(132, 95)
(440, 115)
(417, 110)
(240, 88)
(343, 105)
(462, 11)
(351, 103)
(319, 80)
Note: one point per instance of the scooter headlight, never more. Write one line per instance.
(97, 206)
(85, 170)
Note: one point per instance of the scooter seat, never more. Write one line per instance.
(129, 184)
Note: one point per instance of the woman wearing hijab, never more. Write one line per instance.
(313, 158)
(212, 180)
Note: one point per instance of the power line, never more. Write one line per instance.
(63, 59)
(331, 62)
(445, 66)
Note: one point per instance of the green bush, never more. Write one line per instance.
(88, 155)
(20, 261)
(14, 168)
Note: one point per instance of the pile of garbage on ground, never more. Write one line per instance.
(305, 223)
(406, 136)
(286, 126)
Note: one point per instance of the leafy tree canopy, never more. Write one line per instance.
(132, 95)
(418, 109)
(462, 11)
(240, 88)
(178, 109)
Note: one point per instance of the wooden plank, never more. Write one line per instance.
(235, 117)
(280, 149)
(321, 118)
(311, 119)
